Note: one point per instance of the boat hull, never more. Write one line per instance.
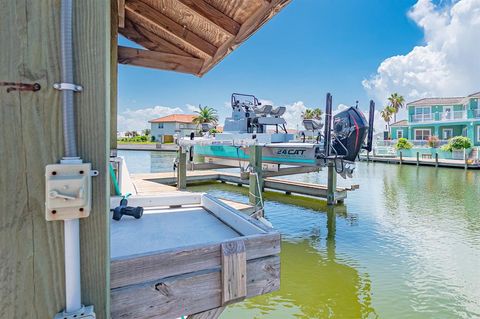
(282, 153)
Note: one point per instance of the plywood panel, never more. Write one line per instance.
(149, 40)
(190, 20)
(152, 19)
(239, 10)
(32, 275)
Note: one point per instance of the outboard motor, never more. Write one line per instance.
(349, 131)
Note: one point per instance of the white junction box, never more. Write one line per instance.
(68, 190)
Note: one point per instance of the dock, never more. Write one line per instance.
(148, 183)
(145, 187)
(436, 162)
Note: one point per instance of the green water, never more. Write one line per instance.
(405, 245)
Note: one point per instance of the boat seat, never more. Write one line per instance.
(263, 110)
(312, 124)
(278, 111)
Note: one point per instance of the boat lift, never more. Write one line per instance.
(248, 145)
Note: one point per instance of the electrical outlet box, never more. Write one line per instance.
(68, 190)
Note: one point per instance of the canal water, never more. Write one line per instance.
(405, 245)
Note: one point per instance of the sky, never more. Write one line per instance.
(355, 49)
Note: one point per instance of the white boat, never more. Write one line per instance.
(252, 123)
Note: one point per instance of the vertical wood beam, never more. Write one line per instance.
(234, 272)
(182, 169)
(255, 192)
(331, 183)
(115, 23)
(31, 249)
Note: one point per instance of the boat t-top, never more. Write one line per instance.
(339, 138)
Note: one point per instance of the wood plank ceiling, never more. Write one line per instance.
(189, 36)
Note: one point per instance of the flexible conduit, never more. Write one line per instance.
(71, 227)
(66, 35)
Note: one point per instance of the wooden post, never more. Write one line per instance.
(436, 159)
(418, 158)
(331, 183)
(31, 249)
(255, 194)
(182, 169)
(401, 158)
(465, 157)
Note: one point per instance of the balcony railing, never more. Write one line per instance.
(416, 143)
(422, 117)
(442, 116)
(454, 115)
(476, 113)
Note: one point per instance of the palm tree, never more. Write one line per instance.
(206, 114)
(396, 102)
(317, 113)
(386, 115)
(308, 114)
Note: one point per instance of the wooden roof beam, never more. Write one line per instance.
(149, 40)
(147, 14)
(121, 13)
(159, 60)
(204, 9)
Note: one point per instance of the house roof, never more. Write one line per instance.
(476, 94)
(400, 123)
(186, 35)
(437, 101)
(444, 100)
(179, 118)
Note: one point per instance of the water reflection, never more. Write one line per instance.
(314, 282)
(408, 247)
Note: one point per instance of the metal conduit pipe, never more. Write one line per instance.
(71, 227)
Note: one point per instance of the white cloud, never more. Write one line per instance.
(129, 120)
(192, 108)
(293, 115)
(447, 65)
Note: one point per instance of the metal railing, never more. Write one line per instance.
(416, 143)
(442, 116)
(476, 113)
(422, 117)
(454, 115)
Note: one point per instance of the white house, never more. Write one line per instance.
(164, 128)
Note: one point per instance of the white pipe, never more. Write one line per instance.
(73, 290)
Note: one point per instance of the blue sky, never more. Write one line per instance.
(310, 48)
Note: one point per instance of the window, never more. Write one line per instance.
(422, 134)
(447, 133)
(422, 113)
(160, 125)
(478, 133)
(400, 133)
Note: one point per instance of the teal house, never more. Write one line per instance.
(440, 117)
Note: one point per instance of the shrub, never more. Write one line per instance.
(433, 141)
(457, 143)
(403, 144)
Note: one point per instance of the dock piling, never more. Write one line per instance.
(255, 179)
(418, 158)
(331, 183)
(401, 158)
(436, 159)
(182, 169)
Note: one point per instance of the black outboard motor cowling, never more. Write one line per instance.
(349, 130)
